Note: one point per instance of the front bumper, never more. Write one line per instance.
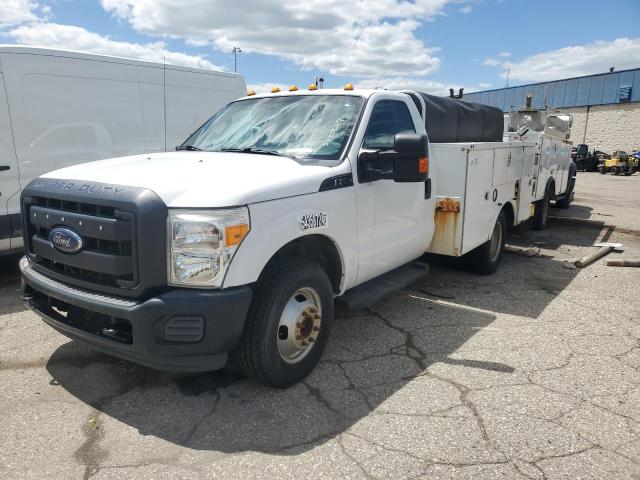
(180, 330)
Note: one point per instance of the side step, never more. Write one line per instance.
(377, 288)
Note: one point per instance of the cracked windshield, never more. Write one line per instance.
(307, 128)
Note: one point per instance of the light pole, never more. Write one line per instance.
(236, 51)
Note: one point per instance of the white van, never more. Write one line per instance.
(58, 108)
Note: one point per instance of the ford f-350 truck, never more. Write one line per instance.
(233, 248)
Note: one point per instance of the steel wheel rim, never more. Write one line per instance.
(299, 325)
(496, 241)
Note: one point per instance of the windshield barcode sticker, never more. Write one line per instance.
(313, 220)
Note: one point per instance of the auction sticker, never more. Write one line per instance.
(313, 221)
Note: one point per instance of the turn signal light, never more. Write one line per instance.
(235, 233)
(275, 89)
(293, 88)
(348, 86)
(250, 92)
(423, 165)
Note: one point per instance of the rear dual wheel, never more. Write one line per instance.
(541, 212)
(487, 257)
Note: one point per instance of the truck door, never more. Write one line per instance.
(394, 223)
(10, 224)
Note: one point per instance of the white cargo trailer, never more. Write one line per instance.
(58, 108)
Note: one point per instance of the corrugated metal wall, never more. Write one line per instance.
(599, 89)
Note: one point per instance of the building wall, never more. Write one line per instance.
(607, 127)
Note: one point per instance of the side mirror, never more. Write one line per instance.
(411, 162)
(406, 162)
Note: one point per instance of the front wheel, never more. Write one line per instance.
(487, 257)
(288, 325)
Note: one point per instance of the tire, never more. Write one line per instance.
(602, 170)
(566, 201)
(284, 302)
(487, 257)
(542, 207)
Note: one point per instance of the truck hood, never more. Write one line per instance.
(204, 179)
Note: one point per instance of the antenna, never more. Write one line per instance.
(164, 98)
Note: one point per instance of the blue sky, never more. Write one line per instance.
(425, 44)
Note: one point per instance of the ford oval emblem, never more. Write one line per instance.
(65, 240)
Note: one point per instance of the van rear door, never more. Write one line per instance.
(10, 224)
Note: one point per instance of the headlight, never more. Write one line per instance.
(201, 244)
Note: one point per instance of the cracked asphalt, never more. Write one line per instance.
(532, 373)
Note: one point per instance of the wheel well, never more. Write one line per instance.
(315, 247)
(551, 185)
(509, 214)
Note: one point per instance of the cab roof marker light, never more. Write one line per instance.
(348, 86)
(313, 86)
(293, 88)
(250, 92)
(275, 89)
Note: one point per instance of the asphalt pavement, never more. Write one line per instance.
(531, 373)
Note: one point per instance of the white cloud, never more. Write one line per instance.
(504, 54)
(492, 62)
(265, 87)
(68, 37)
(412, 83)
(466, 9)
(484, 85)
(13, 12)
(575, 61)
(361, 38)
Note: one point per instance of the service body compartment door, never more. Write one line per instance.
(10, 225)
(479, 210)
(507, 165)
(527, 183)
(448, 172)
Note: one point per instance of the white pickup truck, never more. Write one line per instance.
(234, 248)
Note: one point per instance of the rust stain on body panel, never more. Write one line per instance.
(446, 219)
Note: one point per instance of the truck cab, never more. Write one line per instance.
(233, 248)
(161, 258)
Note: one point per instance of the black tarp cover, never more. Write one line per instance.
(449, 120)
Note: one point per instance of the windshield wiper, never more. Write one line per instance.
(259, 151)
(189, 148)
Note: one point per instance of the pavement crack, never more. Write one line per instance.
(357, 463)
(413, 351)
(196, 425)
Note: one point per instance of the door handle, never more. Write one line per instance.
(4, 167)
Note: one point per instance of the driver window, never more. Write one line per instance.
(388, 118)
